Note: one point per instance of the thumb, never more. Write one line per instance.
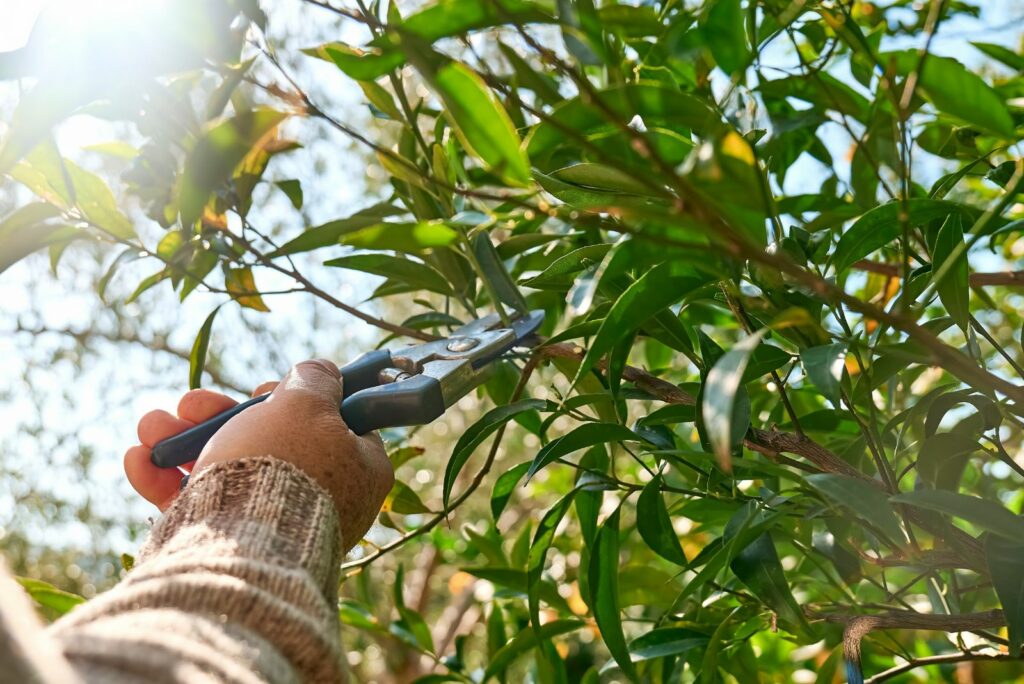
(318, 377)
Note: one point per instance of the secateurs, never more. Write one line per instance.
(410, 386)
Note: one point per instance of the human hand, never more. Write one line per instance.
(299, 423)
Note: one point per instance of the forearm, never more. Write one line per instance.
(237, 582)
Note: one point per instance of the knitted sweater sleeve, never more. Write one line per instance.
(237, 582)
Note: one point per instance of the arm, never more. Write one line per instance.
(238, 580)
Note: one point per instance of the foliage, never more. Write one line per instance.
(780, 389)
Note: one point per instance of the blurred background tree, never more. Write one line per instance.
(776, 424)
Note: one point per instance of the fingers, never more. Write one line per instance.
(264, 388)
(200, 405)
(318, 376)
(158, 425)
(159, 486)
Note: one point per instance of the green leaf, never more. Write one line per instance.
(719, 397)
(584, 436)
(402, 237)
(525, 641)
(725, 35)
(955, 90)
(1005, 560)
(983, 513)
(657, 289)
(560, 273)
(438, 20)
(824, 366)
(494, 272)
(25, 231)
(292, 190)
(655, 525)
(941, 458)
(860, 498)
(148, 283)
(418, 275)
(951, 272)
(197, 358)
(411, 627)
(328, 234)
(664, 642)
(476, 433)
(479, 120)
(758, 567)
(403, 501)
(538, 551)
(881, 225)
(504, 486)
(1002, 54)
(709, 663)
(601, 177)
(216, 154)
(381, 99)
(49, 596)
(656, 103)
(603, 575)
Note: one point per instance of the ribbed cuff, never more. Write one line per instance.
(272, 510)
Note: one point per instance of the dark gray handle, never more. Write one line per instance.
(358, 376)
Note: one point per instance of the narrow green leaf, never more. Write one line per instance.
(881, 225)
(402, 237)
(25, 231)
(860, 498)
(148, 283)
(584, 436)
(1005, 561)
(197, 358)
(292, 190)
(942, 457)
(525, 641)
(480, 121)
(504, 486)
(417, 275)
(954, 89)
(494, 271)
(655, 525)
(328, 234)
(478, 432)
(709, 664)
(1002, 54)
(560, 273)
(49, 596)
(538, 552)
(664, 642)
(758, 567)
(719, 397)
(403, 501)
(657, 289)
(824, 366)
(983, 513)
(951, 272)
(726, 36)
(603, 575)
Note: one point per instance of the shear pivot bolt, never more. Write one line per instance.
(462, 344)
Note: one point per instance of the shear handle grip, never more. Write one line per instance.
(359, 375)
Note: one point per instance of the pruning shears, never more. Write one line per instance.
(384, 388)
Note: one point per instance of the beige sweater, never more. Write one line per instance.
(237, 582)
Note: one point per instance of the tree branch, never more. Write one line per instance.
(934, 660)
(156, 343)
(996, 278)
